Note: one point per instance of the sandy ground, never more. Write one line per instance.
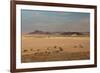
(40, 49)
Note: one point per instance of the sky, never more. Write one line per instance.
(54, 21)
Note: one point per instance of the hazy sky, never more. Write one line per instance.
(54, 21)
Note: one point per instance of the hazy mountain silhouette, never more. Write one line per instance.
(61, 33)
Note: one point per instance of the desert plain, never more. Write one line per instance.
(42, 48)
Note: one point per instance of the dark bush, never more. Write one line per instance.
(81, 46)
(31, 49)
(60, 48)
(55, 46)
(25, 50)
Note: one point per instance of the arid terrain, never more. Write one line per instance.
(41, 48)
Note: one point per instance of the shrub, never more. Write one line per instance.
(60, 48)
(55, 46)
(31, 49)
(81, 46)
(25, 50)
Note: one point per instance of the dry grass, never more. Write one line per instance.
(40, 49)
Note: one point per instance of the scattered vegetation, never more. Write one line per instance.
(57, 51)
(54, 48)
